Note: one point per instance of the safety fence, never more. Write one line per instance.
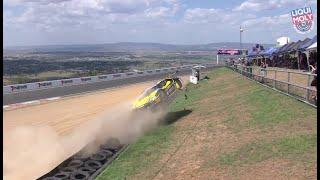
(16, 88)
(296, 84)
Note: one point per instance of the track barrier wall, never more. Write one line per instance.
(16, 88)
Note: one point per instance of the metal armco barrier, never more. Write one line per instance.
(16, 88)
(288, 87)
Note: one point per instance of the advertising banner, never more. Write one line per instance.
(302, 20)
(232, 51)
(18, 87)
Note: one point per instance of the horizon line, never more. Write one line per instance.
(88, 44)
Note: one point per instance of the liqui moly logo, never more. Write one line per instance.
(302, 19)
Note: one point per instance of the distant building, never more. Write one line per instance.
(282, 41)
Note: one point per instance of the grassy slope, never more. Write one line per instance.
(264, 124)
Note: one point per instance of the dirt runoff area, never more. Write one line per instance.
(37, 138)
(226, 127)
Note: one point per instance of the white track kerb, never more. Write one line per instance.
(18, 105)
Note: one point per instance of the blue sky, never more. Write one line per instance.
(31, 22)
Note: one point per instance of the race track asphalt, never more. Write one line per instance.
(82, 88)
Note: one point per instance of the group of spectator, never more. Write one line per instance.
(288, 61)
(284, 61)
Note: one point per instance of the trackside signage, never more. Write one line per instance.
(44, 84)
(18, 87)
(66, 81)
(229, 51)
(85, 79)
(103, 77)
(302, 20)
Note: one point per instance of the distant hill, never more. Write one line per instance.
(128, 47)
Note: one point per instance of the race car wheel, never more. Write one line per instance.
(179, 82)
(162, 96)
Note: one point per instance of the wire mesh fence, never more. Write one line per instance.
(296, 84)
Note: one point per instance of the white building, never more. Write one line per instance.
(282, 41)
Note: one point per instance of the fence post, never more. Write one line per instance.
(308, 85)
(262, 74)
(275, 77)
(288, 82)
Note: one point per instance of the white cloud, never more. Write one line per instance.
(219, 17)
(158, 12)
(258, 5)
(278, 22)
(55, 14)
(267, 21)
(273, 27)
(78, 21)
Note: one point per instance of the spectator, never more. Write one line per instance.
(312, 59)
(247, 63)
(314, 81)
(263, 69)
(314, 71)
(249, 68)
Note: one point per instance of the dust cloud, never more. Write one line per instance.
(32, 151)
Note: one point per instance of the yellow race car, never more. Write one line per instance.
(160, 93)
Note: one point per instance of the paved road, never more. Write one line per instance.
(81, 88)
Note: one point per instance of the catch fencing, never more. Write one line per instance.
(292, 83)
(16, 88)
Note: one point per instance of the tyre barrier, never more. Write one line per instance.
(86, 169)
(50, 178)
(80, 167)
(100, 156)
(93, 164)
(108, 153)
(79, 157)
(68, 170)
(79, 175)
(75, 163)
(112, 145)
(62, 175)
(109, 148)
